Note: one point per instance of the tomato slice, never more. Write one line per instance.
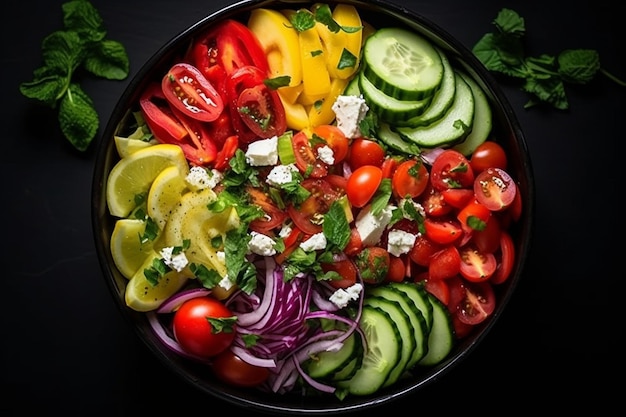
(307, 216)
(274, 216)
(199, 147)
(233, 370)
(306, 160)
(507, 258)
(345, 268)
(477, 303)
(410, 179)
(445, 264)
(458, 197)
(159, 117)
(495, 189)
(397, 270)
(476, 266)
(439, 288)
(451, 169)
(188, 90)
(363, 184)
(423, 250)
(488, 239)
(365, 152)
(473, 217)
(443, 231)
(433, 202)
(335, 139)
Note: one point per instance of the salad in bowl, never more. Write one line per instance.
(305, 200)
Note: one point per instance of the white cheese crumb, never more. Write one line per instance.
(400, 242)
(370, 226)
(350, 110)
(261, 244)
(326, 155)
(281, 174)
(263, 152)
(177, 262)
(285, 230)
(342, 297)
(315, 242)
(200, 178)
(226, 283)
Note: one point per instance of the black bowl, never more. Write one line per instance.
(506, 128)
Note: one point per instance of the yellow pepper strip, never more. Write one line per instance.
(322, 113)
(295, 113)
(335, 42)
(280, 42)
(315, 75)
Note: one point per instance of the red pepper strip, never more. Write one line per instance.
(160, 119)
(199, 148)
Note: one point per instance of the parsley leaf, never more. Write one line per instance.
(82, 44)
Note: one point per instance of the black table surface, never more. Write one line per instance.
(67, 349)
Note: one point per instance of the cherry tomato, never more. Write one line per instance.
(233, 370)
(473, 216)
(457, 197)
(488, 154)
(373, 263)
(389, 166)
(274, 216)
(439, 288)
(451, 169)
(495, 189)
(433, 202)
(461, 329)
(345, 268)
(306, 160)
(362, 184)
(443, 231)
(365, 152)
(397, 271)
(476, 266)
(187, 90)
(307, 215)
(488, 239)
(335, 139)
(355, 244)
(423, 249)
(196, 333)
(410, 179)
(507, 258)
(445, 264)
(162, 122)
(478, 302)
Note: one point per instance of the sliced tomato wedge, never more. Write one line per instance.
(423, 250)
(308, 215)
(476, 266)
(477, 303)
(507, 258)
(188, 90)
(495, 189)
(473, 217)
(345, 268)
(306, 159)
(274, 216)
(159, 117)
(445, 264)
(335, 139)
(451, 169)
(444, 231)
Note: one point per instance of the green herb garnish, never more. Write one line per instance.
(82, 44)
(544, 77)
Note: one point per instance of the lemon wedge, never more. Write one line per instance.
(134, 174)
(126, 248)
(126, 146)
(142, 296)
(165, 192)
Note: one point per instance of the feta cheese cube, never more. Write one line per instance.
(342, 297)
(315, 242)
(226, 283)
(349, 111)
(263, 152)
(177, 262)
(399, 242)
(326, 154)
(281, 174)
(370, 226)
(261, 244)
(200, 178)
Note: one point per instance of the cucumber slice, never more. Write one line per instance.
(441, 101)
(481, 126)
(405, 329)
(418, 323)
(352, 89)
(455, 125)
(383, 352)
(390, 109)
(326, 364)
(402, 64)
(395, 141)
(441, 338)
(419, 296)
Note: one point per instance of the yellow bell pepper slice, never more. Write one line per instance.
(295, 113)
(280, 41)
(315, 75)
(322, 113)
(334, 43)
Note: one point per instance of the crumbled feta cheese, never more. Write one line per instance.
(399, 242)
(342, 297)
(221, 256)
(226, 283)
(200, 178)
(350, 110)
(261, 244)
(326, 155)
(370, 226)
(315, 242)
(418, 207)
(263, 152)
(285, 230)
(281, 174)
(177, 262)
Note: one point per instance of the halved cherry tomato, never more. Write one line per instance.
(461, 329)
(335, 139)
(410, 179)
(443, 231)
(445, 264)
(307, 216)
(423, 249)
(233, 370)
(363, 184)
(488, 154)
(451, 169)
(488, 239)
(389, 166)
(495, 189)
(355, 244)
(476, 266)
(159, 116)
(439, 288)
(473, 216)
(194, 331)
(188, 90)
(478, 303)
(345, 268)
(365, 152)
(507, 258)
(306, 160)
(457, 197)
(433, 202)
(397, 270)
(199, 147)
(373, 263)
(230, 45)
(273, 217)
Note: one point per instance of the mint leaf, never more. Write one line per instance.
(108, 59)
(511, 23)
(62, 50)
(81, 17)
(48, 86)
(578, 66)
(78, 117)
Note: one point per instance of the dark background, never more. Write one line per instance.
(66, 348)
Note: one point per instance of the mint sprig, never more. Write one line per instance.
(545, 76)
(81, 44)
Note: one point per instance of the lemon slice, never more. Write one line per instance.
(142, 296)
(126, 146)
(134, 174)
(165, 192)
(126, 248)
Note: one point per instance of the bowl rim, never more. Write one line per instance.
(138, 321)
